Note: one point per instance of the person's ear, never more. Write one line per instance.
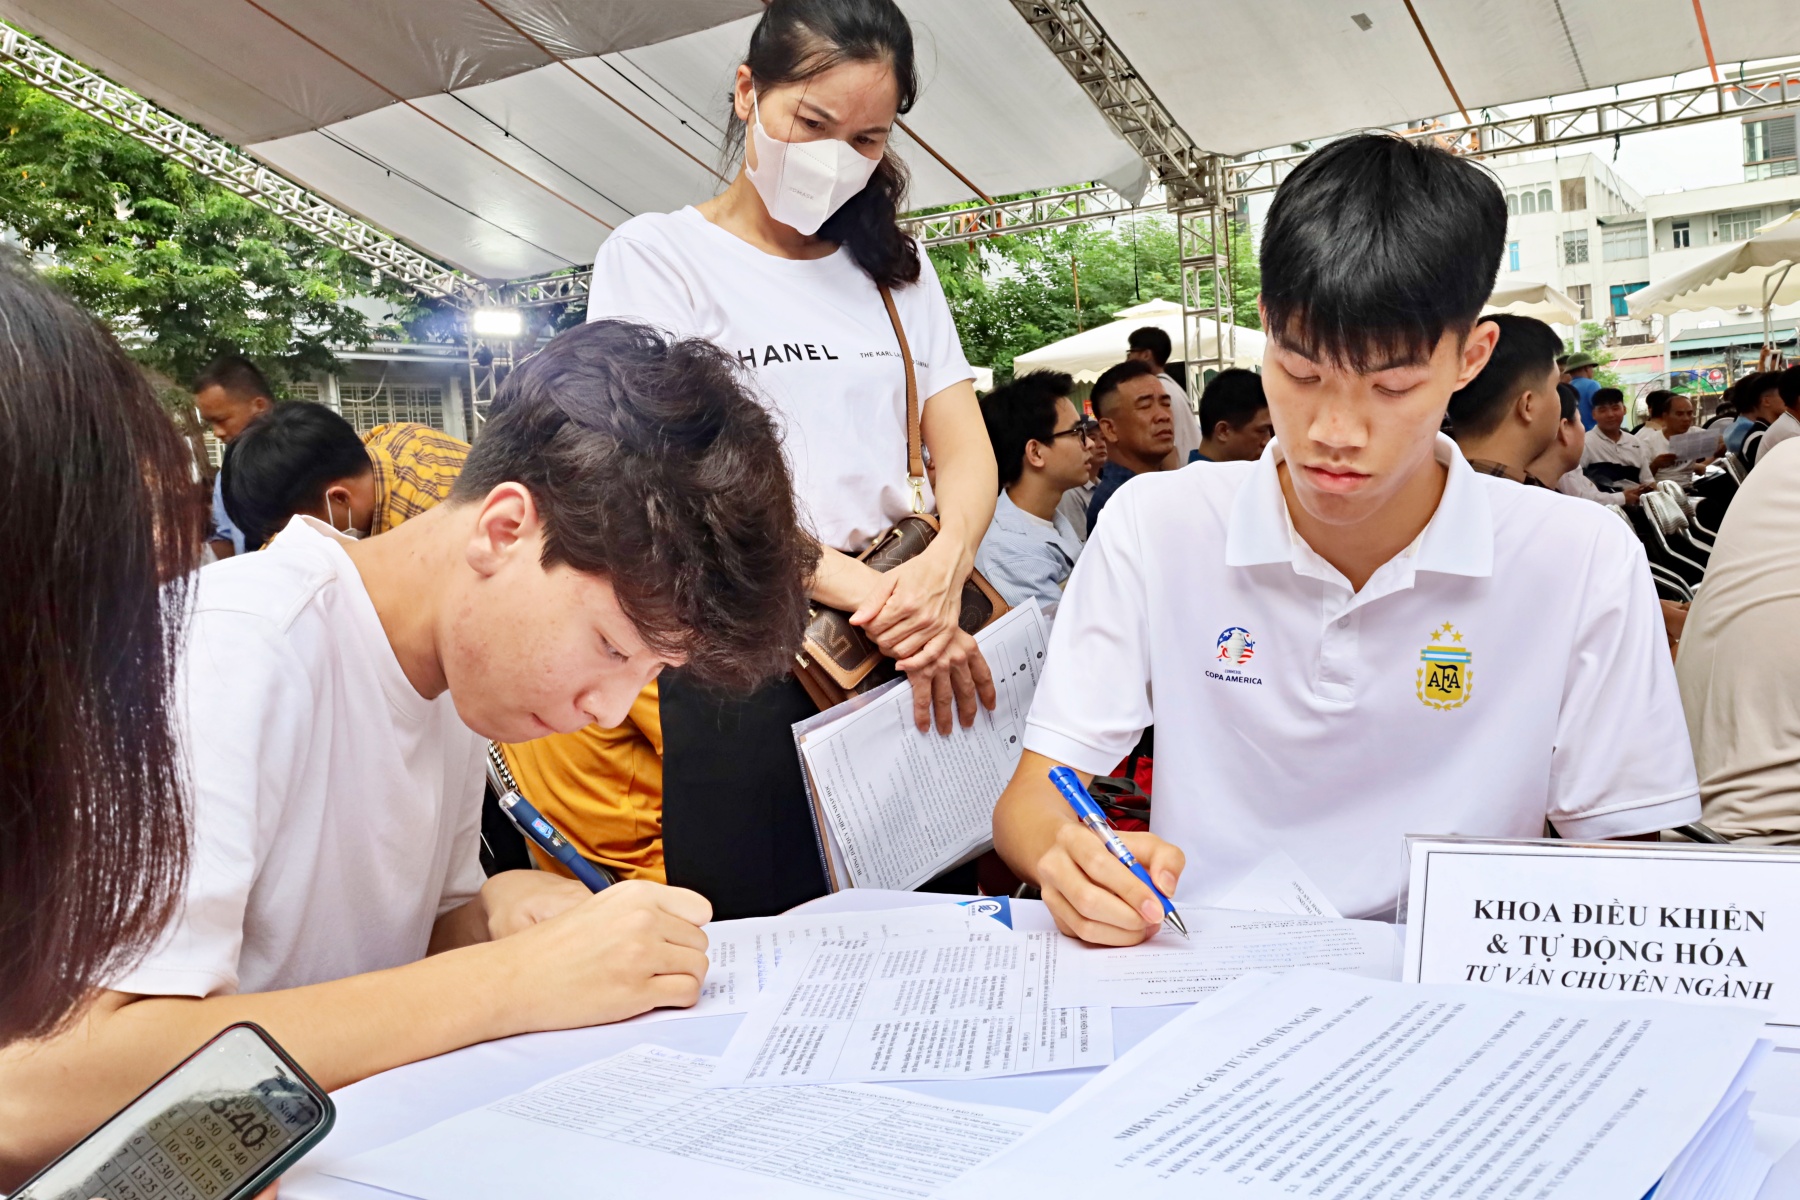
(1477, 348)
(1220, 431)
(1036, 453)
(506, 526)
(741, 90)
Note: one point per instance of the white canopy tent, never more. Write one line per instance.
(1527, 298)
(1087, 354)
(507, 137)
(1757, 274)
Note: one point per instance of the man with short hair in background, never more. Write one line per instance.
(1234, 418)
(1610, 454)
(1507, 416)
(1075, 501)
(1152, 345)
(1757, 399)
(1040, 445)
(1133, 409)
(228, 395)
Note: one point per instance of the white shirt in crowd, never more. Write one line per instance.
(1576, 483)
(1656, 444)
(815, 338)
(1784, 427)
(1468, 688)
(1025, 556)
(1187, 425)
(1628, 451)
(337, 812)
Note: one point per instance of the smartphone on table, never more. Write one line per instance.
(221, 1126)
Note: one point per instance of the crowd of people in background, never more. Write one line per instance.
(255, 790)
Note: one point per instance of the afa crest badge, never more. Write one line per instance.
(1445, 664)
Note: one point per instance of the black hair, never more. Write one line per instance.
(1750, 390)
(652, 464)
(237, 375)
(1571, 400)
(1607, 396)
(1234, 396)
(1657, 403)
(1155, 339)
(1375, 247)
(1020, 412)
(103, 530)
(799, 39)
(1789, 384)
(1523, 355)
(1107, 385)
(283, 462)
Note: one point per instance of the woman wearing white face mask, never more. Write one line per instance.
(784, 268)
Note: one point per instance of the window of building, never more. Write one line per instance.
(1619, 292)
(1623, 241)
(1544, 204)
(1527, 202)
(1769, 148)
(1512, 204)
(366, 405)
(1574, 195)
(1680, 236)
(1575, 246)
(1512, 256)
(1738, 226)
(1582, 294)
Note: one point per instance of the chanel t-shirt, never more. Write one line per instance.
(816, 341)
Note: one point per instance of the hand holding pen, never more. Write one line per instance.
(1097, 888)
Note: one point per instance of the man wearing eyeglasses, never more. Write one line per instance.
(1040, 444)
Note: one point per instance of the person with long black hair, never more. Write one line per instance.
(103, 523)
(788, 269)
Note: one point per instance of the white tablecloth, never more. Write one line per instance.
(393, 1105)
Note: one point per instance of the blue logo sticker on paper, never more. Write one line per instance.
(997, 907)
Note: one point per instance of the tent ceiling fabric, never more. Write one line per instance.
(509, 164)
(1282, 71)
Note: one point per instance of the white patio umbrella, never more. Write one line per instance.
(1754, 274)
(1087, 354)
(1529, 298)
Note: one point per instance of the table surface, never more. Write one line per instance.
(398, 1103)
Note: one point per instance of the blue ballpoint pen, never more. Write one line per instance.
(1069, 784)
(550, 840)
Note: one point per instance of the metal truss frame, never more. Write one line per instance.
(1192, 179)
(1586, 123)
(43, 68)
(1047, 210)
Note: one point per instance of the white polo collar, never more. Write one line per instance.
(1458, 540)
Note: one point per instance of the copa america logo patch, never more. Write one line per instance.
(1236, 647)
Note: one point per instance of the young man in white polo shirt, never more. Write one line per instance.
(1355, 637)
(626, 508)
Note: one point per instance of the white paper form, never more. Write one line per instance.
(744, 955)
(1223, 946)
(911, 1008)
(643, 1123)
(1277, 884)
(899, 806)
(1322, 1085)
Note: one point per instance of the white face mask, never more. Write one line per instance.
(803, 183)
(349, 530)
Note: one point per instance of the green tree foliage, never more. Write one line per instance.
(182, 269)
(1012, 294)
(1593, 340)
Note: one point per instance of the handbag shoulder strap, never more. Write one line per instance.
(915, 456)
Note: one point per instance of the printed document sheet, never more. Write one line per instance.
(910, 1008)
(1318, 1084)
(897, 807)
(644, 1123)
(1223, 946)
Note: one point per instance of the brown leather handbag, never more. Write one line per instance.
(838, 660)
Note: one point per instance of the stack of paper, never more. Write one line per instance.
(1320, 1084)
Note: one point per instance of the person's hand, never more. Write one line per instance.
(911, 609)
(516, 900)
(1632, 493)
(631, 948)
(1663, 462)
(1091, 894)
(958, 674)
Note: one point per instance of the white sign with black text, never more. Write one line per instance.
(1711, 924)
